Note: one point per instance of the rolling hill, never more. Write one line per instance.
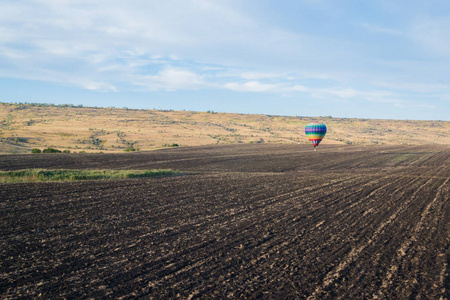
(93, 129)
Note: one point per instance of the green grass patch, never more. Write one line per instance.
(34, 175)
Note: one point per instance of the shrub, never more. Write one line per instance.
(66, 151)
(51, 150)
(36, 150)
(170, 145)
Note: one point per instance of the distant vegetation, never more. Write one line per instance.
(130, 149)
(32, 175)
(48, 150)
(51, 150)
(74, 128)
(170, 145)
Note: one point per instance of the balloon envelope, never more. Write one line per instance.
(315, 132)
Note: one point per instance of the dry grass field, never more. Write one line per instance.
(73, 128)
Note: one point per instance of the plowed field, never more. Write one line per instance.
(247, 221)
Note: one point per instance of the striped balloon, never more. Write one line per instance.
(315, 132)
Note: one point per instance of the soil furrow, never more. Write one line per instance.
(407, 244)
(355, 252)
(258, 221)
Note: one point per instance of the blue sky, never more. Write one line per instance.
(367, 59)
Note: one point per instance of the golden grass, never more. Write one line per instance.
(25, 126)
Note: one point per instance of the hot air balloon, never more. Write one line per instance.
(315, 132)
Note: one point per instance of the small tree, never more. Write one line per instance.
(51, 150)
(130, 149)
(36, 150)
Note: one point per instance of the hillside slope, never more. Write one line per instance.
(76, 128)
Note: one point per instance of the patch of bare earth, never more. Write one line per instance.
(247, 221)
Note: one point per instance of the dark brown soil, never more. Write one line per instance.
(247, 221)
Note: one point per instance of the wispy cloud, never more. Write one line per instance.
(258, 75)
(380, 29)
(99, 86)
(227, 45)
(170, 79)
(433, 34)
(252, 86)
(419, 87)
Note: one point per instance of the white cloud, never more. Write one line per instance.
(170, 79)
(400, 103)
(258, 75)
(344, 93)
(179, 79)
(299, 88)
(99, 86)
(252, 86)
(108, 45)
(114, 41)
(377, 96)
(12, 54)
